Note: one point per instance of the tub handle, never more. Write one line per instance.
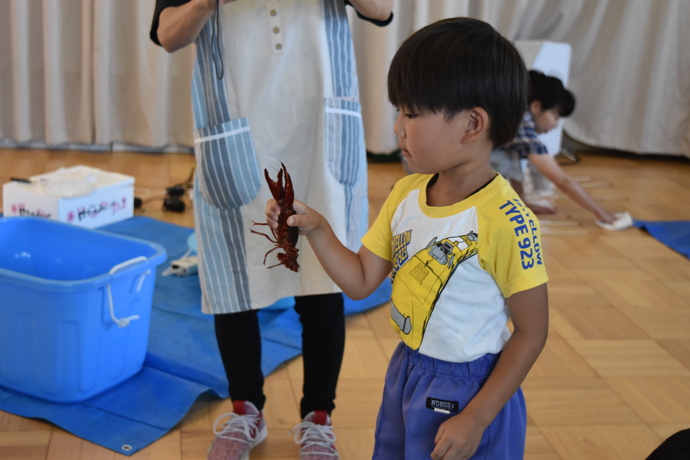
(122, 322)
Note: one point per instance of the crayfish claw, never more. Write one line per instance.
(288, 191)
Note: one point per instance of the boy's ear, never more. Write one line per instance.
(477, 124)
(535, 107)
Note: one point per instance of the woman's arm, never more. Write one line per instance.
(179, 26)
(561, 179)
(459, 436)
(374, 9)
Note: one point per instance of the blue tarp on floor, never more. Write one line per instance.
(674, 234)
(182, 360)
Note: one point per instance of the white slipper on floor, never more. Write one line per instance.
(623, 220)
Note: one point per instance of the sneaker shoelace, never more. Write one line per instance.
(246, 425)
(309, 434)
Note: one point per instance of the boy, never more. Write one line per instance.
(549, 101)
(465, 253)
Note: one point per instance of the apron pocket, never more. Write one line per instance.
(345, 151)
(228, 170)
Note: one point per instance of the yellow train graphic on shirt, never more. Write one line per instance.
(418, 283)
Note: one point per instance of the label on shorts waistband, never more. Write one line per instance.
(441, 405)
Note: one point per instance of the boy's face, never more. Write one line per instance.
(430, 143)
(544, 120)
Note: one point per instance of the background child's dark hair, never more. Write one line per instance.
(459, 63)
(551, 93)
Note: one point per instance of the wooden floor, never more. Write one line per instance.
(612, 382)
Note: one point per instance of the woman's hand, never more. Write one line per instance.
(373, 9)
(178, 26)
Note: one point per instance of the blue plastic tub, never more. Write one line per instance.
(75, 307)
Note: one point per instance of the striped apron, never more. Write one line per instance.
(288, 94)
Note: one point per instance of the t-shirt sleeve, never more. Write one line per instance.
(160, 6)
(512, 251)
(378, 238)
(376, 22)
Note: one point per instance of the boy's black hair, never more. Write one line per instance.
(459, 63)
(550, 93)
(675, 447)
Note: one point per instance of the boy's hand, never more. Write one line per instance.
(457, 438)
(305, 218)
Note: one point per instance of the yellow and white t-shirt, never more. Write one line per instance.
(454, 266)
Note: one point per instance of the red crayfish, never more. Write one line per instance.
(284, 237)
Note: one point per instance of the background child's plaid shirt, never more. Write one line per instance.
(526, 141)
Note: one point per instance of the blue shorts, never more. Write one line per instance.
(421, 393)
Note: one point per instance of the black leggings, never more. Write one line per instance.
(323, 342)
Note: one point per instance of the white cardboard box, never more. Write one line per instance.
(81, 195)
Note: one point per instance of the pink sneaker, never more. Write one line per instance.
(245, 429)
(316, 437)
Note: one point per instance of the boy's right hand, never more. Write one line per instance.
(458, 438)
(305, 218)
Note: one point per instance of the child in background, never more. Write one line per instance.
(464, 252)
(549, 101)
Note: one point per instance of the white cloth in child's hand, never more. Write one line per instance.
(623, 220)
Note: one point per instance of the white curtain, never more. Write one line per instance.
(85, 71)
(630, 68)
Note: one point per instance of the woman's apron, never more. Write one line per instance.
(288, 94)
